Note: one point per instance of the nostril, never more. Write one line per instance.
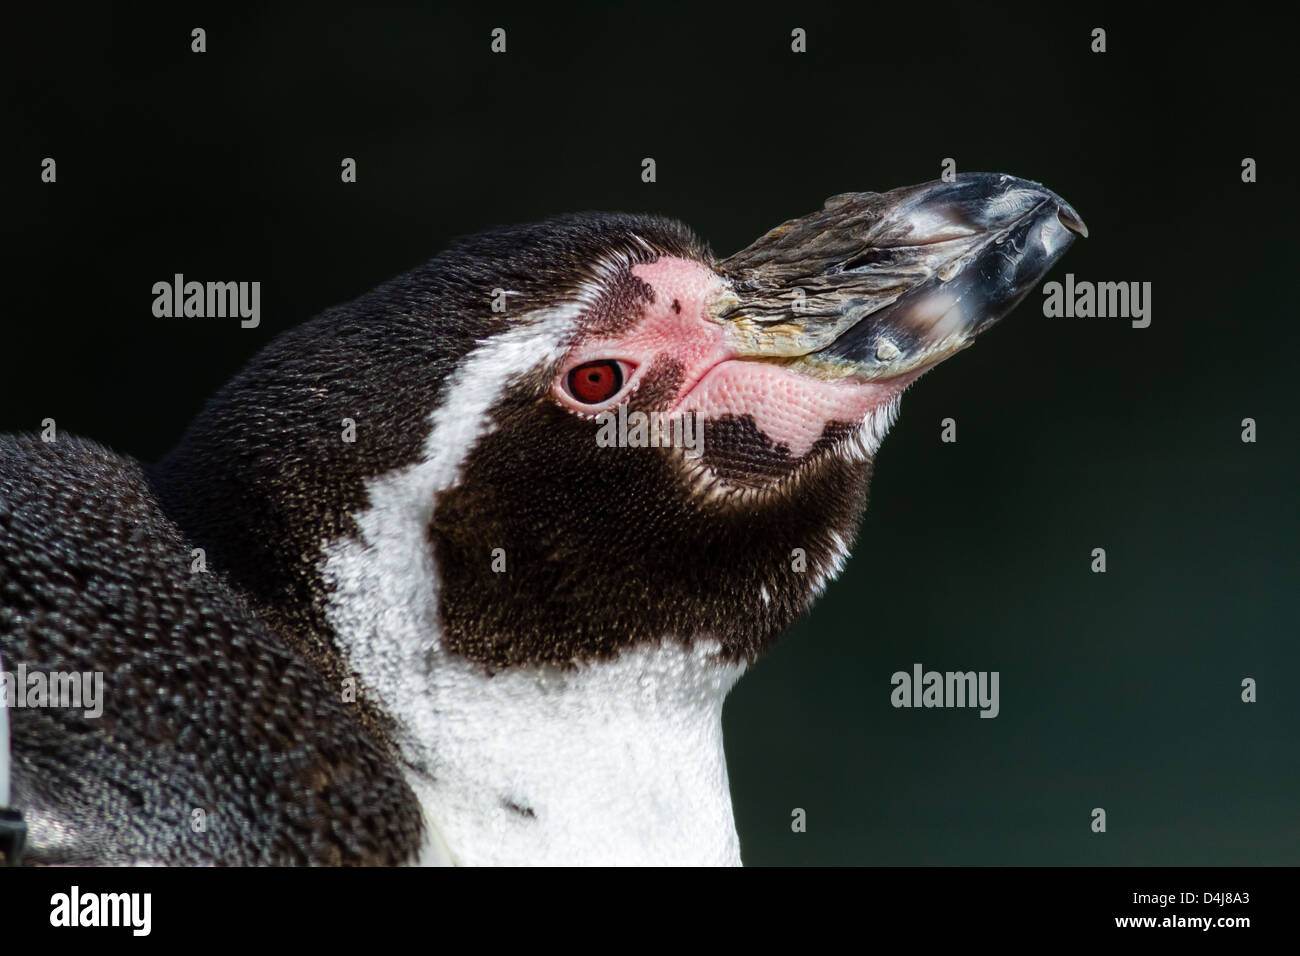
(868, 257)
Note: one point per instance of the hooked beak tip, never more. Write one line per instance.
(1071, 220)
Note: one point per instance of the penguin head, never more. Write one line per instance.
(589, 434)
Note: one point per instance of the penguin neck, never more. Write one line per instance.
(609, 761)
(606, 761)
(613, 762)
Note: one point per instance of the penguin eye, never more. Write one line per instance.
(594, 382)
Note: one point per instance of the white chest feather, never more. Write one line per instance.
(616, 763)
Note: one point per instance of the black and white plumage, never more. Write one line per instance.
(206, 706)
(540, 630)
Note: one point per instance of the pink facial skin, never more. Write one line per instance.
(790, 407)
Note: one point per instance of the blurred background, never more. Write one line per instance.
(1119, 690)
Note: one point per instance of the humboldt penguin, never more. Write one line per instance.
(462, 571)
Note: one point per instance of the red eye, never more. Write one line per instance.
(595, 382)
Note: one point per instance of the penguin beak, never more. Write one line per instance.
(879, 285)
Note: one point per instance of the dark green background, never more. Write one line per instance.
(1118, 690)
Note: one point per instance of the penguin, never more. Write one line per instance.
(462, 571)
